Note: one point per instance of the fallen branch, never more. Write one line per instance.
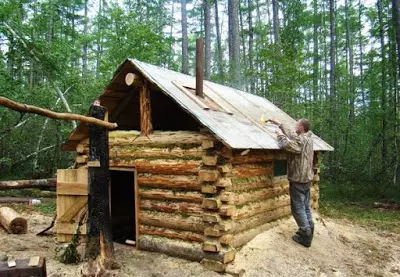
(62, 116)
(42, 233)
(387, 206)
(22, 184)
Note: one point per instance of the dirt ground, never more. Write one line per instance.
(339, 249)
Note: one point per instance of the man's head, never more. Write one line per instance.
(303, 126)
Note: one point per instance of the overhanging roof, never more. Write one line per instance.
(240, 128)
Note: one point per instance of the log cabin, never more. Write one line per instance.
(192, 175)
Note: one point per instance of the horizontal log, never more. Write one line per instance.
(140, 152)
(211, 231)
(214, 265)
(157, 138)
(226, 239)
(208, 189)
(211, 246)
(254, 156)
(171, 207)
(207, 144)
(169, 233)
(238, 226)
(211, 203)
(255, 208)
(172, 221)
(258, 195)
(211, 218)
(12, 221)
(164, 194)
(81, 159)
(169, 181)
(210, 160)
(208, 175)
(251, 183)
(246, 236)
(224, 182)
(22, 184)
(251, 170)
(227, 210)
(187, 250)
(168, 167)
(225, 255)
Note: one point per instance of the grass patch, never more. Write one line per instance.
(347, 202)
(47, 206)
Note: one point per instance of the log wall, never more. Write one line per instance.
(196, 191)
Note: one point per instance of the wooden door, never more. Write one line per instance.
(72, 198)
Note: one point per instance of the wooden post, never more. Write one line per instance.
(99, 240)
(199, 67)
(145, 111)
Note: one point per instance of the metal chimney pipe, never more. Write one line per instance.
(199, 67)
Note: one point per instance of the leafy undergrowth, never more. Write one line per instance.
(346, 202)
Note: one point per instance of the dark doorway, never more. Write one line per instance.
(122, 194)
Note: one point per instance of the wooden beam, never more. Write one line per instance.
(145, 111)
(47, 113)
(21, 184)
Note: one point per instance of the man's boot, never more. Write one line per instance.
(304, 237)
(312, 229)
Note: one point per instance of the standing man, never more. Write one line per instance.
(299, 144)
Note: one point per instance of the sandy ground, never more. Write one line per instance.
(339, 249)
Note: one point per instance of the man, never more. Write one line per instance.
(299, 144)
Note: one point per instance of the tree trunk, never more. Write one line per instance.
(85, 43)
(234, 42)
(275, 19)
(22, 184)
(99, 239)
(383, 87)
(207, 35)
(251, 42)
(361, 53)
(219, 43)
(185, 45)
(315, 54)
(332, 75)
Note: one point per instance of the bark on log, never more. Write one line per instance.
(255, 208)
(163, 194)
(47, 113)
(244, 237)
(186, 250)
(183, 139)
(146, 125)
(172, 221)
(19, 184)
(12, 221)
(171, 167)
(251, 170)
(169, 233)
(254, 156)
(252, 222)
(195, 153)
(258, 195)
(171, 207)
(169, 182)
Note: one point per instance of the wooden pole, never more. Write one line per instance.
(99, 241)
(22, 184)
(47, 113)
(199, 67)
(145, 111)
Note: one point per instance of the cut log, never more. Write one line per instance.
(169, 167)
(212, 232)
(260, 219)
(210, 160)
(169, 233)
(169, 181)
(163, 194)
(208, 175)
(172, 221)
(171, 207)
(258, 195)
(12, 221)
(22, 184)
(224, 182)
(255, 208)
(81, 159)
(254, 156)
(140, 152)
(211, 218)
(226, 239)
(211, 246)
(208, 189)
(227, 210)
(211, 203)
(244, 237)
(183, 139)
(251, 170)
(190, 251)
(225, 255)
(207, 144)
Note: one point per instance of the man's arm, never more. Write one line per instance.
(294, 145)
(289, 133)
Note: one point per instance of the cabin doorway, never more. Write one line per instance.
(123, 203)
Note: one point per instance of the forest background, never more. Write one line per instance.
(334, 62)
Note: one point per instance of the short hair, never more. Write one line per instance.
(306, 124)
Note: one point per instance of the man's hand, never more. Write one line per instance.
(279, 132)
(274, 121)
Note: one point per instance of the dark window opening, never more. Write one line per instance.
(280, 167)
(169, 116)
(122, 203)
